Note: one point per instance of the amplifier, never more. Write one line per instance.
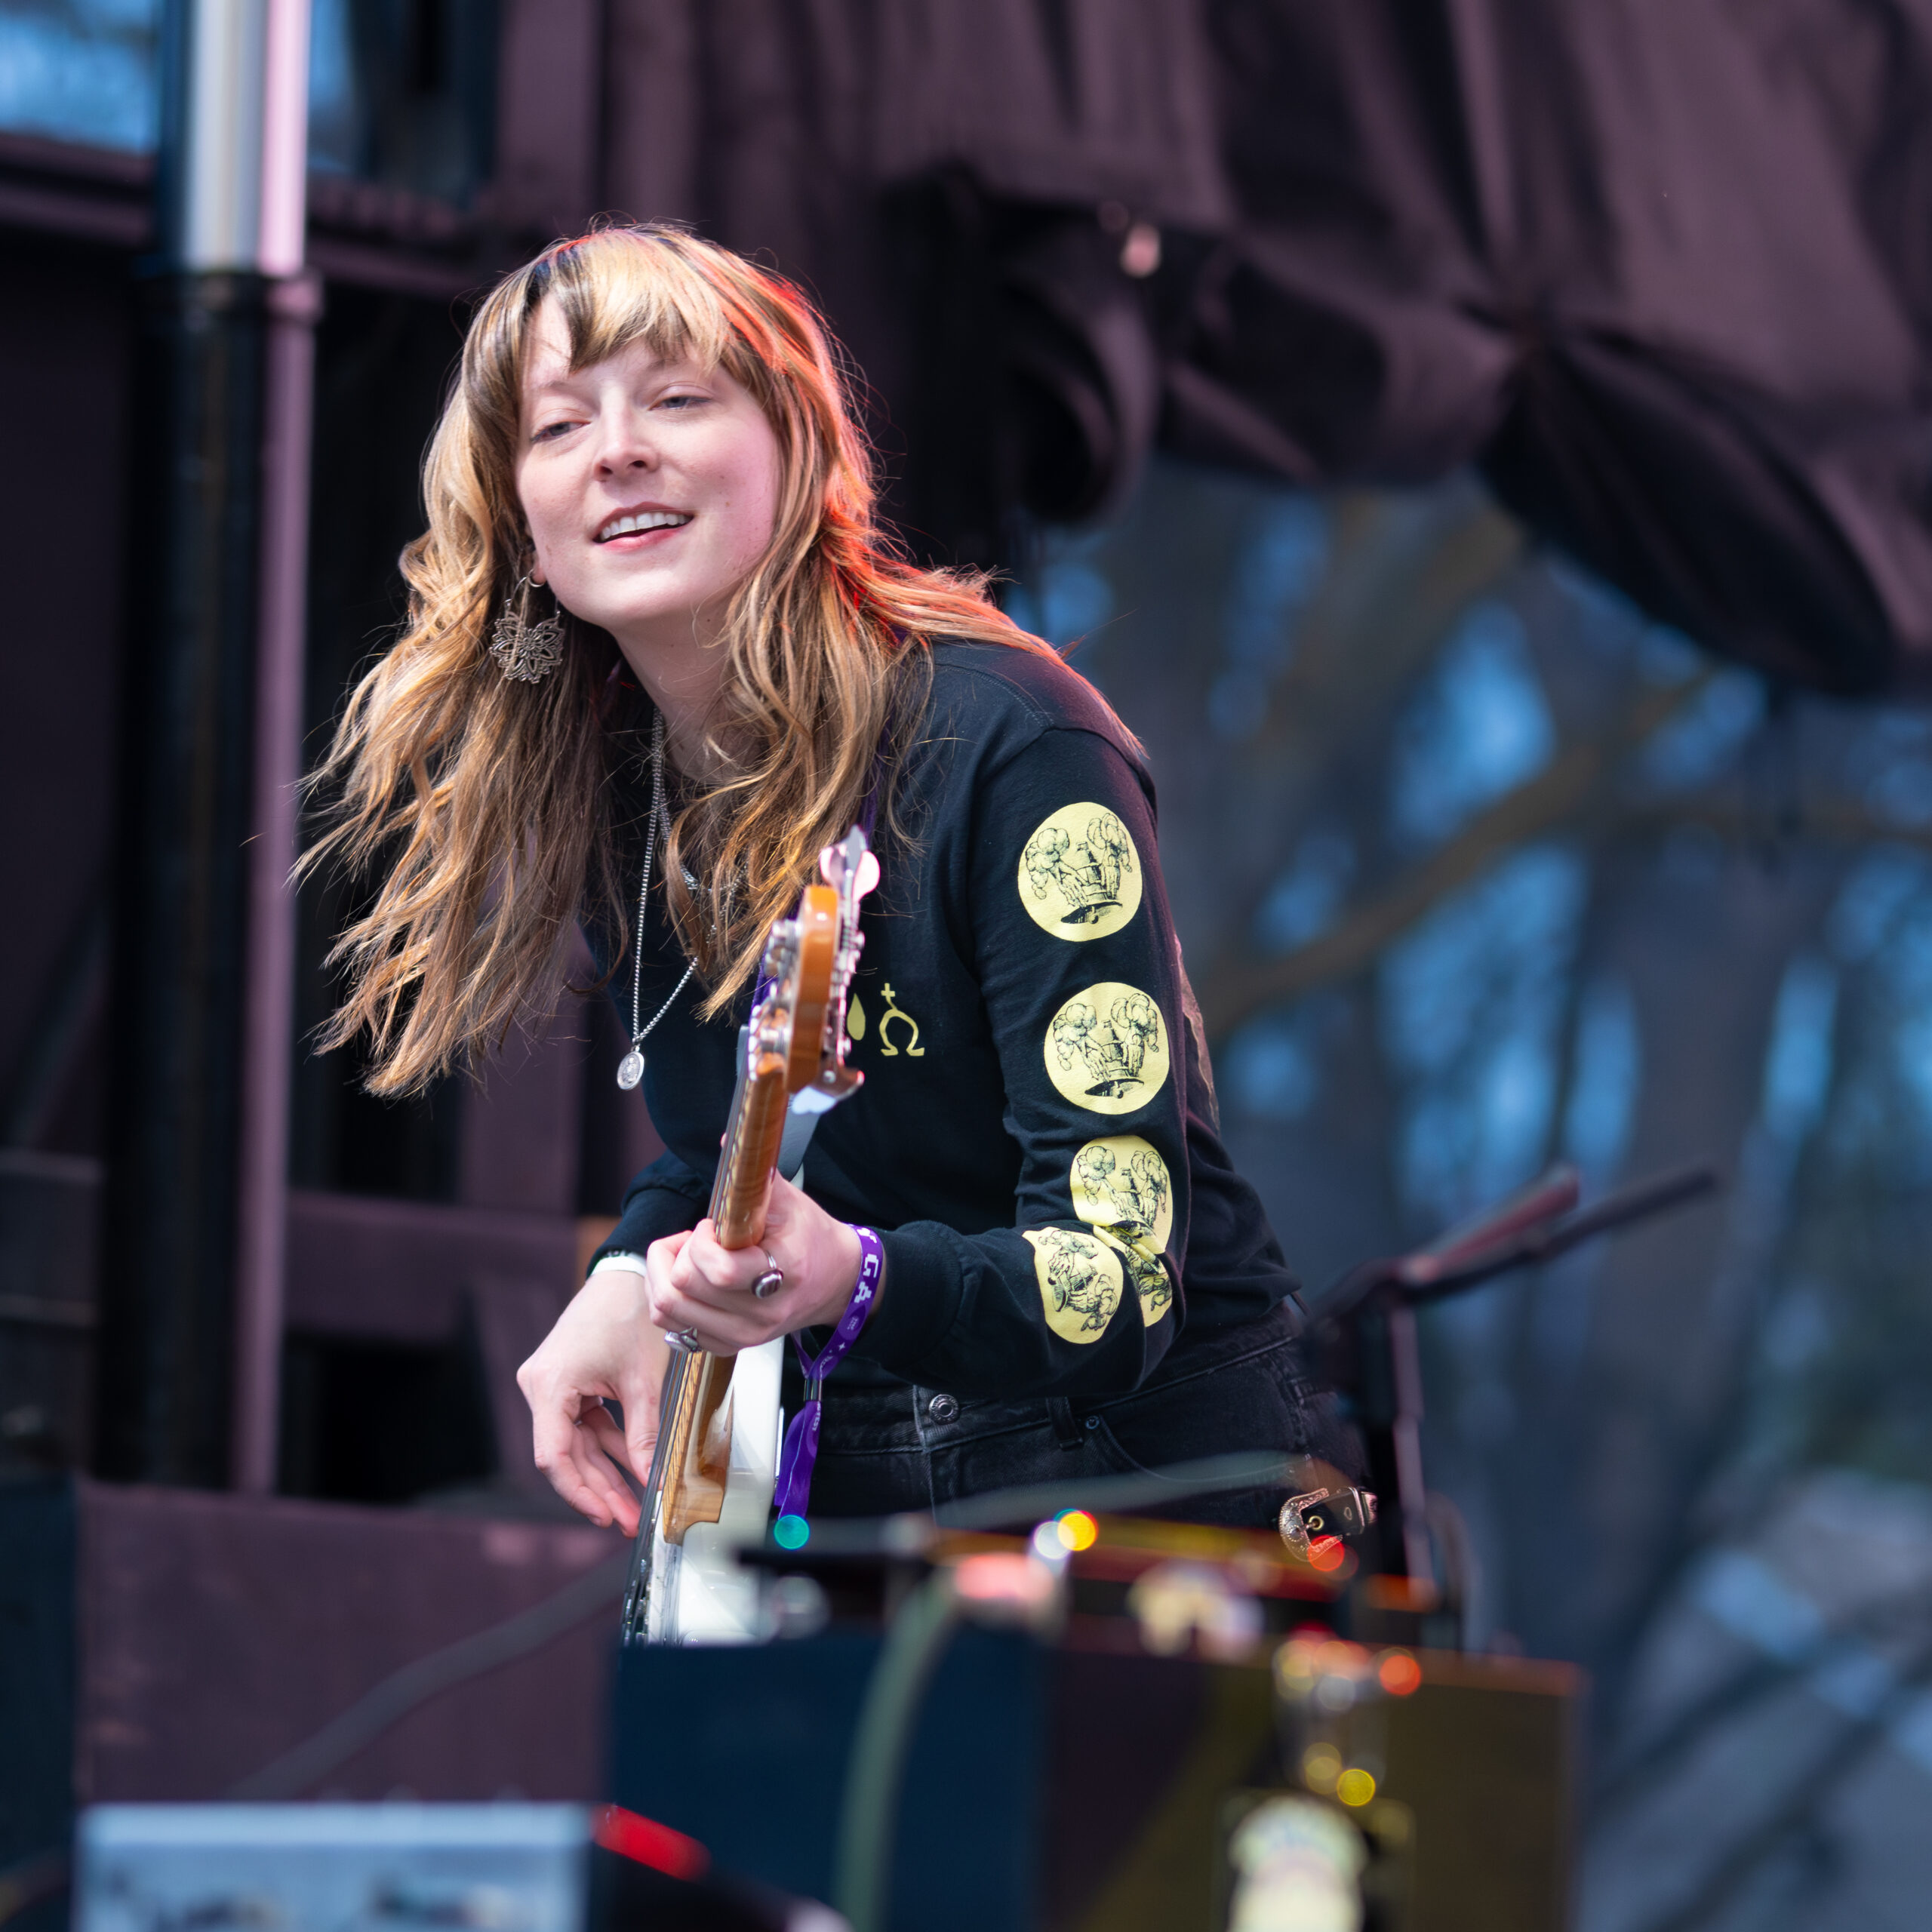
(1066, 1788)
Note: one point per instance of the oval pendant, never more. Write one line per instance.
(630, 1070)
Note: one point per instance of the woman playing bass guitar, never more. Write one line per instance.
(659, 658)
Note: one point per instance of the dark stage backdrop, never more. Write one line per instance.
(1661, 270)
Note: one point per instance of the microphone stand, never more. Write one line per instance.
(1371, 1311)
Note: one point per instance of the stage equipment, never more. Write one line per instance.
(506, 1867)
(1037, 1740)
(1365, 1344)
(451, 1655)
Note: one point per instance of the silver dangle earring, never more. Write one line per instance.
(525, 653)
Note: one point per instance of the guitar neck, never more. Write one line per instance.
(743, 1185)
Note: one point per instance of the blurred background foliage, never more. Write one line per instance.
(1478, 870)
(81, 71)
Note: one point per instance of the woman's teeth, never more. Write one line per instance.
(626, 526)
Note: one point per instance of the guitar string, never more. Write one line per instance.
(637, 1593)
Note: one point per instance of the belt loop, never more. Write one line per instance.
(1059, 1412)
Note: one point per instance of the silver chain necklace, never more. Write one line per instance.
(630, 1068)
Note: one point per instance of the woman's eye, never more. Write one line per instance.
(680, 401)
(549, 431)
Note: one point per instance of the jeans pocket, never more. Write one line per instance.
(1257, 1403)
(1107, 1442)
(1106, 1448)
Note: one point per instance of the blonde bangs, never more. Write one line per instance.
(612, 290)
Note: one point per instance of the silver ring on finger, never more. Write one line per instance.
(683, 1340)
(768, 1283)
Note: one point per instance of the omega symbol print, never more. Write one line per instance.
(1080, 1282)
(1106, 1049)
(1120, 1186)
(1079, 878)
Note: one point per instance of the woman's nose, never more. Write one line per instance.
(624, 442)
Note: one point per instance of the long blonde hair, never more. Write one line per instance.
(490, 799)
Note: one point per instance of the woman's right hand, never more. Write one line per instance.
(604, 1344)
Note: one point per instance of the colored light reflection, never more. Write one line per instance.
(1401, 1675)
(1076, 1530)
(644, 1842)
(1355, 1787)
(993, 1579)
(1314, 1663)
(1336, 1694)
(1321, 1767)
(790, 1532)
(1326, 1552)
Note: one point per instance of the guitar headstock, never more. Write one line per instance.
(850, 869)
(805, 978)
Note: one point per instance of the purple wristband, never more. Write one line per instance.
(794, 1465)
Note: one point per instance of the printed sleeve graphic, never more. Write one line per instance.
(1079, 876)
(1106, 1049)
(1122, 1186)
(1080, 1280)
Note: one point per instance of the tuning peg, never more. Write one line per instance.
(835, 861)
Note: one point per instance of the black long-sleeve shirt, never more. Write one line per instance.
(1036, 1139)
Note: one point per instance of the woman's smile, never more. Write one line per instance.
(647, 521)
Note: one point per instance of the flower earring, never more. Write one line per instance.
(525, 653)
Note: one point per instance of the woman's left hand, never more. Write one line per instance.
(707, 1288)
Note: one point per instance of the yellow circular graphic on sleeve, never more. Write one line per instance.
(1081, 1282)
(1152, 1283)
(1122, 1186)
(1106, 1049)
(1079, 874)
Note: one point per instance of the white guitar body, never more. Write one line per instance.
(700, 1593)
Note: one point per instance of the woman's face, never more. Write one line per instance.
(650, 488)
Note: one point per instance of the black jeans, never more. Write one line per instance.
(883, 1449)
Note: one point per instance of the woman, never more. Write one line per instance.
(652, 433)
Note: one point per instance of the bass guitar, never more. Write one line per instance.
(715, 1464)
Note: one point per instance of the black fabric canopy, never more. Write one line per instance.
(1662, 268)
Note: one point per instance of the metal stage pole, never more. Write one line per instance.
(293, 306)
(191, 1267)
